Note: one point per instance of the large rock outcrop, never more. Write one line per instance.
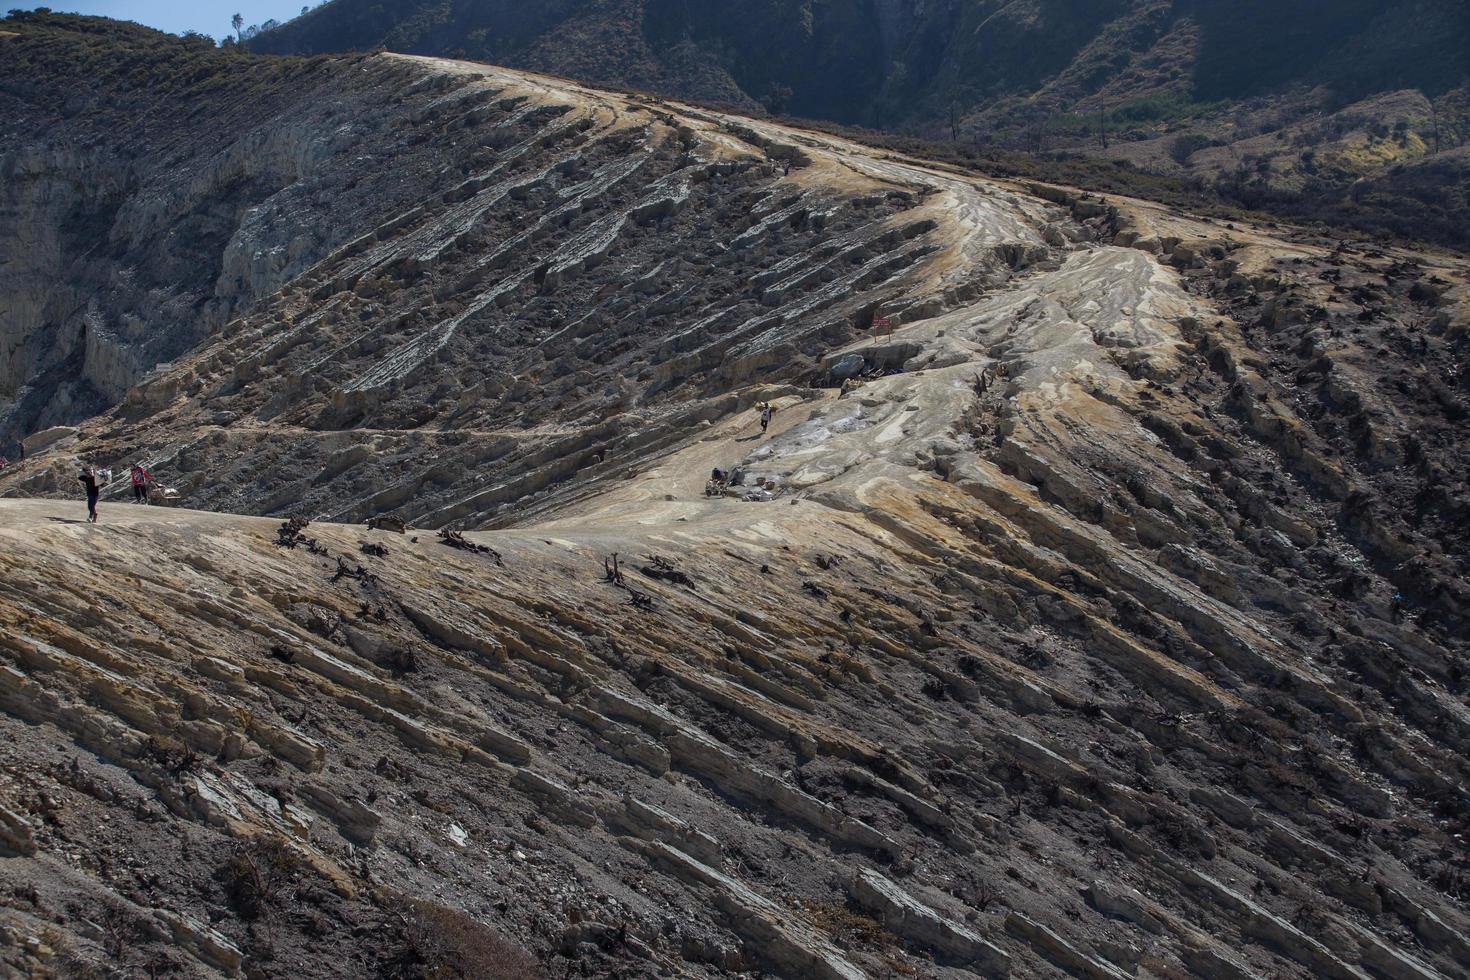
(152, 189)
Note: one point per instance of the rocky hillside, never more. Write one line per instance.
(1292, 102)
(1095, 605)
(152, 188)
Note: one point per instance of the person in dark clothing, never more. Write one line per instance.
(89, 482)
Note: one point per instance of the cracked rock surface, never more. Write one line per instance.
(1095, 604)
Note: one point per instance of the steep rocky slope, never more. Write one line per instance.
(1277, 106)
(1103, 614)
(151, 189)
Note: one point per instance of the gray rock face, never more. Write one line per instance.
(46, 438)
(918, 923)
(115, 259)
(845, 367)
(1125, 903)
(16, 835)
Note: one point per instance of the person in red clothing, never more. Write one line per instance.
(142, 482)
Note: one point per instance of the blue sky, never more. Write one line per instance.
(210, 17)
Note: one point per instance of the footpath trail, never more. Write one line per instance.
(22, 518)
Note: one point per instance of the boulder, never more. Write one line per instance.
(15, 834)
(37, 441)
(846, 367)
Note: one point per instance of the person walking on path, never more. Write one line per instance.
(89, 482)
(766, 412)
(142, 483)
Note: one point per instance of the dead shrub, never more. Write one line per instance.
(172, 755)
(849, 926)
(257, 875)
(439, 943)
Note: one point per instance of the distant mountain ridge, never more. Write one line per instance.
(906, 63)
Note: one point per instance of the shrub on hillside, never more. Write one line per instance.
(1183, 148)
(439, 943)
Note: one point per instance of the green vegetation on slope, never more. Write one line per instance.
(101, 55)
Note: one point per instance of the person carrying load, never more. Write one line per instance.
(142, 483)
